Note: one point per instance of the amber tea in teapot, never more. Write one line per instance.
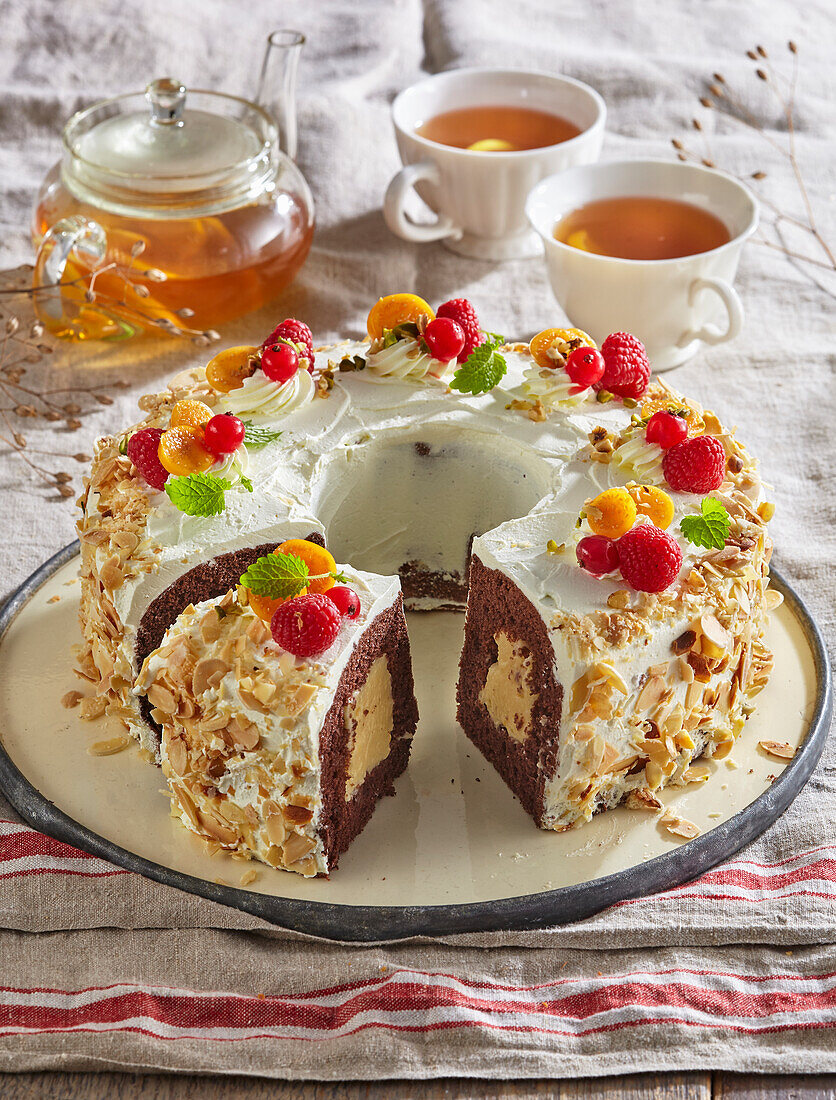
(216, 267)
(175, 211)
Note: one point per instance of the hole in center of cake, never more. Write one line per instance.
(412, 505)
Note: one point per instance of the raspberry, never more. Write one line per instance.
(696, 465)
(650, 559)
(306, 625)
(463, 313)
(666, 428)
(297, 332)
(597, 555)
(142, 451)
(627, 370)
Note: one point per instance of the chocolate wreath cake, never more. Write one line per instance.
(606, 536)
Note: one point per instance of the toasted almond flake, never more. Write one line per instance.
(773, 599)
(619, 600)
(208, 673)
(296, 847)
(691, 775)
(71, 699)
(93, 706)
(605, 669)
(109, 747)
(653, 775)
(686, 673)
(643, 799)
(678, 826)
(177, 755)
(650, 694)
(161, 698)
(722, 750)
(248, 877)
(584, 732)
(780, 749)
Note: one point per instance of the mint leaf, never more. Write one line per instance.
(709, 529)
(256, 436)
(198, 494)
(482, 369)
(276, 576)
(245, 481)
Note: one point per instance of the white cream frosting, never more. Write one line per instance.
(403, 360)
(394, 472)
(262, 397)
(553, 387)
(294, 742)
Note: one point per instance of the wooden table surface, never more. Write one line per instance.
(665, 1086)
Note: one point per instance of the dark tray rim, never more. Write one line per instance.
(366, 924)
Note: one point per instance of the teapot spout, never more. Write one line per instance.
(277, 84)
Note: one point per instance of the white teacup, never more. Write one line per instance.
(479, 196)
(672, 306)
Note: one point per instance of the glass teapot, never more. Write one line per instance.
(174, 210)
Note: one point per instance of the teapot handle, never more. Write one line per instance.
(69, 235)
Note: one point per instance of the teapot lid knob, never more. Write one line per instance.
(167, 98)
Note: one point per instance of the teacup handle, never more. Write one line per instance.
(711, 334)
(393, 205)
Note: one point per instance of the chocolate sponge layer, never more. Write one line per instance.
(496, 604)
(341, 820)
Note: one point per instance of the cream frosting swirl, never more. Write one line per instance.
(261, 396)
(553, 387)
(641, 458)
(404, 359)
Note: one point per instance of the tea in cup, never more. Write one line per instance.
(474, 142)
(649, 247)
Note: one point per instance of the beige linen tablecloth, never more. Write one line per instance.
(101, 968)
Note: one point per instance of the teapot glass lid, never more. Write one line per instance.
(169, 150)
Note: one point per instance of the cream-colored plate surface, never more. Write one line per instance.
(453, 834)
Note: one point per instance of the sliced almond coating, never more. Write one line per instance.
(93, 706)
(71, 699)
(296, 847)
(210, 824)
(276, 829)
(780, 749)
(248, 876)
(653, 775)
(713, 630)
(773, 599)
(300, 699)
(208, 673)
(178, 756)
(650, 694)
(161, 698)
(643, 799)
(679, 826)
(109, 747)
(691, 775)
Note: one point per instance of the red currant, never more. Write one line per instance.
(666, 428)
(585, 366)
(280, 362)
(597, 554)
(224, 434)
(445, 339)
(142, 450)
(346, 599)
